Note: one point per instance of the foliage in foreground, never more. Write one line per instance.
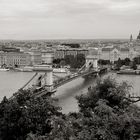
(24, 114)
(106, 113)
(109, 112)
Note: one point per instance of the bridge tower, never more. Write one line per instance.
(49, 80)
(48, 77)
(92, 59)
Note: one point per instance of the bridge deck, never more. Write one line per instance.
(64, 81)
(44, 91)
(41, 93)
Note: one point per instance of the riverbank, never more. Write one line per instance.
(11, 81)
(129, 72)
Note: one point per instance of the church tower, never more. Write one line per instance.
(131, 38)
(130, 43)
(138, 37)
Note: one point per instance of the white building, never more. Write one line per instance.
(11, 59)
(36, 57)
(113, 53)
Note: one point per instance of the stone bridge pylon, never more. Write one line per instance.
(92, 59)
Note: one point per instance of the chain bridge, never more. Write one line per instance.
(47, 85)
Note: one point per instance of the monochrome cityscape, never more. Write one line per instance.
(15, 54)
(69, 70)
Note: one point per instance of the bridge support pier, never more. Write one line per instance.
(91, 60)
(48, 77)
(49, 81)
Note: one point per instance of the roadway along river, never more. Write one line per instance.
(10, 82)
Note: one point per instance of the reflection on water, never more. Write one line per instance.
(66, 94)
(10, 82)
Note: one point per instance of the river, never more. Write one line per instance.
(10, 82)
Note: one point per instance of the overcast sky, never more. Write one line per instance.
(69, 19)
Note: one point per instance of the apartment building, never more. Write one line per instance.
(113, 53)
(61, 53)
(11, 59)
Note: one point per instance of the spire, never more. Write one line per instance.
(138, 37)
(131, 42)
(131, 38)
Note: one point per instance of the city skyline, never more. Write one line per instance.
(69, 19)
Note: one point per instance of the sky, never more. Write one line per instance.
(69, 19)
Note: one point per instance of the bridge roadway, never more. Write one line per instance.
(66, 80)
(44, 92)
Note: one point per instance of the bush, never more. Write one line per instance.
(106, 113)
(25, 114)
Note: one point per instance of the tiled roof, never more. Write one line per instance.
(124, 49)
(106, 49)
(115, 47)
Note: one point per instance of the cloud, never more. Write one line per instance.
(46, 8)
(64, 17)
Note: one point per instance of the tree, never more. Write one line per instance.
(80, 60)
(127, 61)
(62, 63)
(75, 62)
(134, 66)
(56, 61)
(67, 59)
(118, 64)
(25, 114)
(107, 112)
(137, 60)
(72, 45)
(103, 62)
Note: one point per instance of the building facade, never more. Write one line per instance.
(12, 59)
(47, 57)
(113, 53)
(61, 53)
(36, 57)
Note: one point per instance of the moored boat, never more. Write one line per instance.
(4, 69)
(60, 70)
(129, 71)
(24, 69)
(18, 69)
(27, 69)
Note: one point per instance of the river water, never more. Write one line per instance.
(10, 82)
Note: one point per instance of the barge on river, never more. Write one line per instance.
(129, 72)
